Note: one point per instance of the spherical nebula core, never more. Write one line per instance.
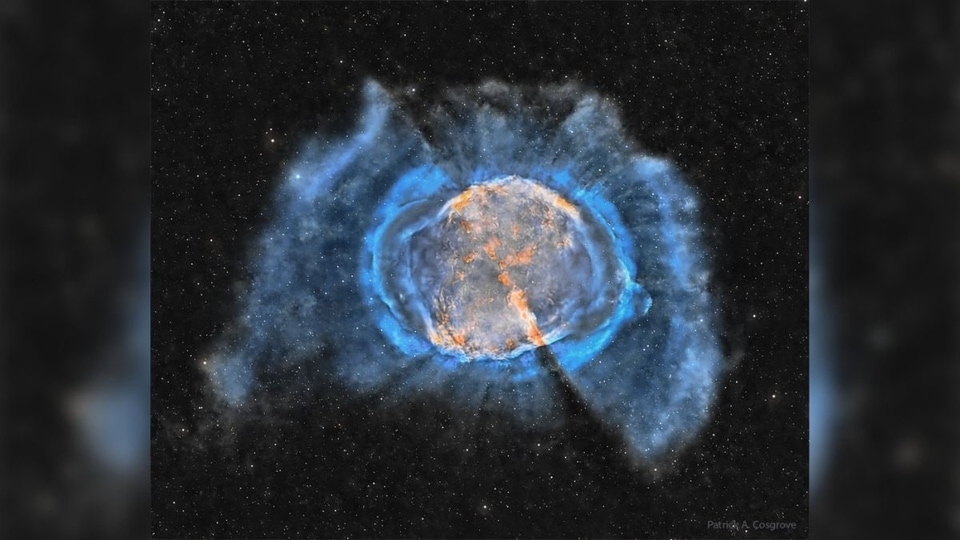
(503, 267)
(449, 248)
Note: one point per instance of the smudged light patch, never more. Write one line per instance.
(824, 402)
(111, 411)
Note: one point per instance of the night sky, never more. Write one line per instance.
(718, 88)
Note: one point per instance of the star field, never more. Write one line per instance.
(236, 89)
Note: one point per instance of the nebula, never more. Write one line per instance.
(438, 252)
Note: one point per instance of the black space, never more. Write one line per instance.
(721, 88)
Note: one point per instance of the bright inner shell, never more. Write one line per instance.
(510, 265)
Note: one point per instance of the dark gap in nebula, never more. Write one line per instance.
(573, 404)
(592, 436)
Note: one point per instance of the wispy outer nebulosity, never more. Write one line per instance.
(364, 267)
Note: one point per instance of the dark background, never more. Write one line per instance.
(721, 89)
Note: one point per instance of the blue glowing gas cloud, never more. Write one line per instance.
(321, 291)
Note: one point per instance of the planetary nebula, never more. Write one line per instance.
(445, 251)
